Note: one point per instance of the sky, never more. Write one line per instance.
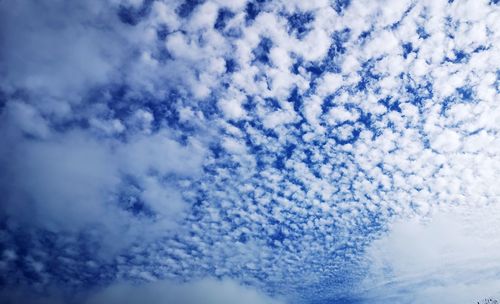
(249, 151)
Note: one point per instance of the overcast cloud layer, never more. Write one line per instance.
(234, 151)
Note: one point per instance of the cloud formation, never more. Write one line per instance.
(208, 291)
(450, 258)
(277, 145)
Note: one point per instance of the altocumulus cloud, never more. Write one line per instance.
(234, 151)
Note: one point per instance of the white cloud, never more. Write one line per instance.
(450, 257)
(26, 119)
(232, 108)
(60, 182)
(70, 183)
(207, 291)
(282, 205)
(56, 54)
(447, 141)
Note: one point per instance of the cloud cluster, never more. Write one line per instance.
(271, 143)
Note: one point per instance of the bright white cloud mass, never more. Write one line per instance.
(249, 151)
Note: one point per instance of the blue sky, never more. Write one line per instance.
(234, 151)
